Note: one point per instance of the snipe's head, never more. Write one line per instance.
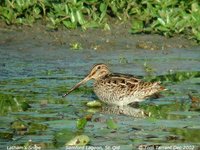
(97, 72)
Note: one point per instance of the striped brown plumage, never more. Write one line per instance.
(118, 89)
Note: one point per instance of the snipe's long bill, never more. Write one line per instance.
(118, 89)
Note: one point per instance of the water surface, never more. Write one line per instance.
(33, 76)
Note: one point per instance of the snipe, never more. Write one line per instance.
(118, 89)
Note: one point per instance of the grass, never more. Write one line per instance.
(168, 18)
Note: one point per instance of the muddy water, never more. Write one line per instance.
(36, 73)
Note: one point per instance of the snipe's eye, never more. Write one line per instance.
(99, 67)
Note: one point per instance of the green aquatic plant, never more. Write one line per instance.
(148, 69)
(81, 123)
(6, 135)
(9, 103)
(75, 46)
(123, 59)
(175, 77)
(22, 11)
(69, 14)
(111, 124)
(76, 13)
(30, 127)
(168, 18)
(189, 135)
(19, 125)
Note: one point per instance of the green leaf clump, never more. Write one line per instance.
(168, 18)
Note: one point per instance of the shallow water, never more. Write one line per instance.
(37, 75)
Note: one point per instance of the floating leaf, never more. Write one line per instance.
(111, 124)
(81, 123)
(93, 110)
(94, 104)
(79, 140)
(19, 125)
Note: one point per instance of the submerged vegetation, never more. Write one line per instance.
(9, 103)
(174, 77)
(45, 121)
(163, 17)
